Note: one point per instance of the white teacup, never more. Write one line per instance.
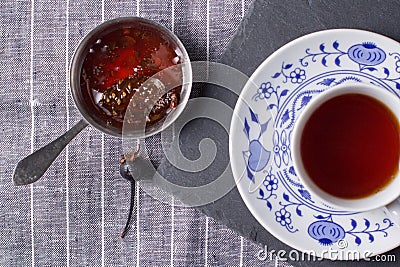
(388, 195)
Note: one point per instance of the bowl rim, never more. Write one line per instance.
(86, 42)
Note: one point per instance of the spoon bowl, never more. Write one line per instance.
(32, 167)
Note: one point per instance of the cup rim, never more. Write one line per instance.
(383, 197)
(78, 58)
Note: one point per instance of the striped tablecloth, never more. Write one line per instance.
(74, 214)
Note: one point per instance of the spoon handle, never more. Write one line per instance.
(31, 168)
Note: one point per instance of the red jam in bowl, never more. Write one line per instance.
(118, 63)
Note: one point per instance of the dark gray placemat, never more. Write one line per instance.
(268, 26)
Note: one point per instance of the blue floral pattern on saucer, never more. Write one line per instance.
(286, 83)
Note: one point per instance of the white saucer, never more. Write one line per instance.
(260, 138)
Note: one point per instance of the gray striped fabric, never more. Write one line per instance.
(74, 214)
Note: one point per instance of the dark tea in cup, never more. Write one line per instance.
(350, 146)
(346, 147)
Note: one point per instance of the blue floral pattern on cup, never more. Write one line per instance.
(365, 58)
(367, 54)
(297, 75)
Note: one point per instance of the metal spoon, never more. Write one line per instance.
(134, 167)
(31, 168)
